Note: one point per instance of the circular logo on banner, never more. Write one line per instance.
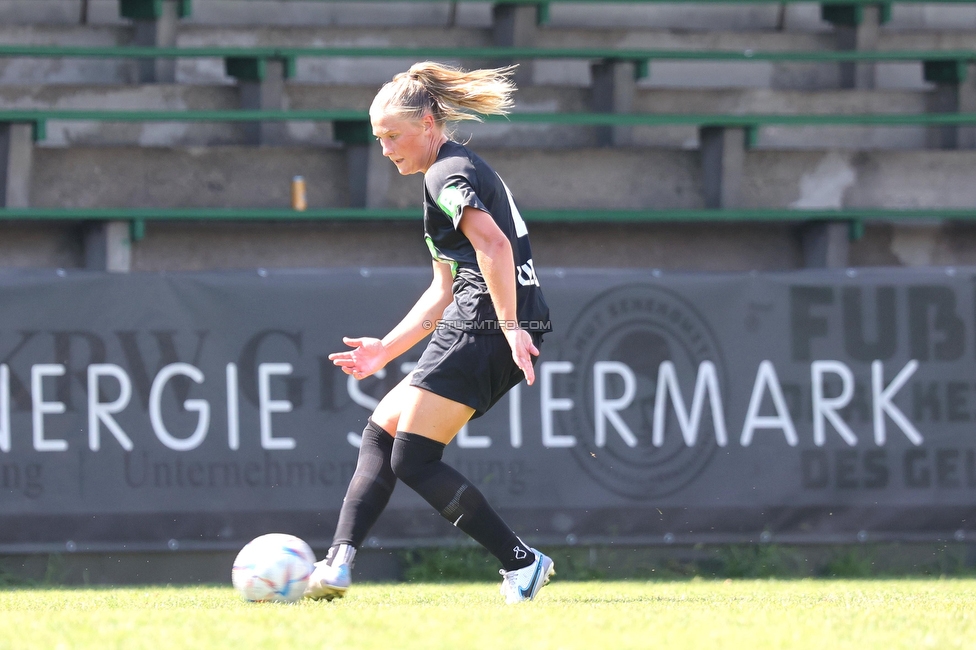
(617, 346)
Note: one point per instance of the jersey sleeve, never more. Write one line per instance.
(452, 187)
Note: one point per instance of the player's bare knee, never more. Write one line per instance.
(387, 413)
(386, 421)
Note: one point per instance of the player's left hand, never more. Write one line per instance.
(367, 356)
(523, 349)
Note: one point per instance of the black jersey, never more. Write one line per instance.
(460, 178)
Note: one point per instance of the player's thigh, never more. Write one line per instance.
(432, 416)
(387, 412)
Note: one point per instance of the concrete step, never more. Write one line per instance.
(718, 247)
(705, 16)
(530, 99)
(565, 178)
(377, 71)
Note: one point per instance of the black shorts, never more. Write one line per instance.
(472, 369)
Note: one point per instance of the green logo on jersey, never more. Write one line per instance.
(450, 201)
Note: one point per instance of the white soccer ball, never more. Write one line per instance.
(273, 567)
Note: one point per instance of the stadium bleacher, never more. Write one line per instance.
(735, 144)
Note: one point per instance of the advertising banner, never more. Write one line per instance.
(198, 410)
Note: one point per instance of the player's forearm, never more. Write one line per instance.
(498, 268)
(418, 323)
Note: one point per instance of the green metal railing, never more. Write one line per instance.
(567, 215)
(488, 52)
(580, 119)
(353, 126)
(137, 217)
(247, 62)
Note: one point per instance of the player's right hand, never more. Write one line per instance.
(367, 356)
(523, 349)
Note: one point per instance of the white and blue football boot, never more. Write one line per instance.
(523, 584)
(332, 576)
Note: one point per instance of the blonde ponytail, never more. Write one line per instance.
(449, 94)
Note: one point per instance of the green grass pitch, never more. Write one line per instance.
(888, 614)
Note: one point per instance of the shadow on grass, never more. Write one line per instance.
(53, 577)
(470, 563)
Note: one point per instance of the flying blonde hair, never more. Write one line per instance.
(449, 94)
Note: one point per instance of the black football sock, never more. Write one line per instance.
(417, 462)
(369, 490)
